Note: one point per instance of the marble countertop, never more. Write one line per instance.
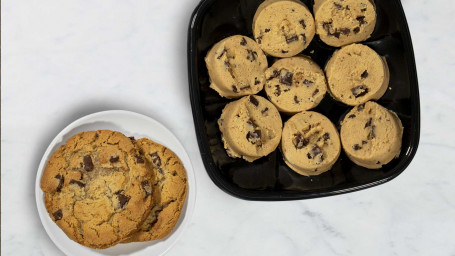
(62, 60)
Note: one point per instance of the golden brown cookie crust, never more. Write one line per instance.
(97, 188)
(169, 191)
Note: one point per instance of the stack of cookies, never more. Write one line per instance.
(251, 127)
(102, 188)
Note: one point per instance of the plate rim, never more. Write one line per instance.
(191, 196)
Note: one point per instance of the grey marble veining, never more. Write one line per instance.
(64, 59)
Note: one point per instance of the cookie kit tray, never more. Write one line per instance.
(269, 178)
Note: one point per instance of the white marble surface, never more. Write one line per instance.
(64, 59)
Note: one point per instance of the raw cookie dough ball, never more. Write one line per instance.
(342, 22)
(357, 74)
(236, 67)
(295, 84)
(250, 127)
(310, 143)
(283, 28)
(371, 135)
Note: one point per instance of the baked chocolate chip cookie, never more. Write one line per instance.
(169, 191)
(97, 188)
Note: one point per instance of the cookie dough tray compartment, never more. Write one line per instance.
(269, 178)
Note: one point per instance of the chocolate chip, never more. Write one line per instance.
(139, 159)
(114, 159)
(265, 110)
(308, 155)
(359, 91)
(351, 116)
(356, 30)
(251, 123)
(364, 142)
(267, 30)
(361, 20)
(316, 150)
(360, 107)
(299, 141)
(356, 147)
(61, 180)
(132, 138)
(254, 137)
(315, 92)
(347, 7)
(364, 74)
(243, 42)
(336, 34)
(372, 134)
(283, 51)
(296, 99)
(303, 38)
(221, 54)
(345, 31)
(234, 89)
(156, 159)
(378, 162)
(327, 26)
(251, 55)
(80, 184)
(368, 123)
(88, 164)
(338, 6)
(292, 39)
(326, 136)
(307, 82)
(246, 87)
(277, 90)
(302, 22)
(256, 81)
(286, 78)
(363, 9)
(259, 39)
(147, 188)
(58, 215)
(275, 74)
(254, 101)
(122, 199)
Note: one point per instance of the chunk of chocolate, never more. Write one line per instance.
(359, 91)
(283, 51)
(360, 107)
(254, 137)
(265, 110)
(315, 92)
(364, 74)
(243, 42)
(251, 55)
(259, 39)
(277, 90)
(274, 75)
(345, 31)
(114, 159)
(299, 141)
(326, 136)
(363, 9)
(61, 180)
(256, 81)
(361, 20)
(58, 215)
(368, 123)
(254, 101)
(338, 6)
(156, 159)
(286, 78)
(76, 182)
(296, 99)
(356, 147)
(267, 30)
(303, 38)
(221, 54)
(302, 22)
(364, 142)
(234, 89)
(316, 150)
(139, 159)
(372, 133)
(122, 199)
(88, 164)
(307, 82)
(291, 39)
(246, 87)
(351, 116)
(356, 30)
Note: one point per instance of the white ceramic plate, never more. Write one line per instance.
(131, 124)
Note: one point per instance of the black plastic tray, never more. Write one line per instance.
(269, 178)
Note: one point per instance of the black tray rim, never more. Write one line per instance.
(258, 195)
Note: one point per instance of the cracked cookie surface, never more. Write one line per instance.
(283, 28)
(356, 74)
(236, 67)
(310, 143)
(371, 135)
(169, 191)
(295, 84)
(342, 22)
(251, 128)
(97, 188)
